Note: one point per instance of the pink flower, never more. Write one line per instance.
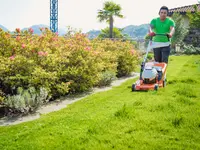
(54, 39)
(23, 45)
(12, 57)
(40, 53)
(18, 30)
(31, 30)
(18, 38)
(88, 48)
(57, 33)
(132, 51)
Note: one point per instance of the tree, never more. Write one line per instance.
(194, 18)
(109, 11)
(180, 30)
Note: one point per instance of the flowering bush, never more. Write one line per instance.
(127, 56)
(60, 65)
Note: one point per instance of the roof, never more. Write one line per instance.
(184, 9)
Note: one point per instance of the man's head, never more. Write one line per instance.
(163, 12)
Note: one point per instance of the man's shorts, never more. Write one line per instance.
(161, 54)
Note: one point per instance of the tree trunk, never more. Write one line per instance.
(111, 27)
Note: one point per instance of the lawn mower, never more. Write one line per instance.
(152, 74)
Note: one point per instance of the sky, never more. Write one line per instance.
(80, 14)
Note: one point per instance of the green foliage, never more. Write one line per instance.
(194, 18)
(135, 44)
(180, 30)
(2, 96)
(147, 39)
(61, 65)
(127, 57)
(190, 50)
(106, 78)
(126, 64)
(25, 101)
(117, 33)
(109, 11)
(150, 56)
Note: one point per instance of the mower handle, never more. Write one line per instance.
(161, 34)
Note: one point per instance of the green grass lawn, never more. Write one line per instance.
(120, 119)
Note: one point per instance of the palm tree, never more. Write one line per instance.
(110, 10)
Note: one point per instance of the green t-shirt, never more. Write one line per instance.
(161, 27)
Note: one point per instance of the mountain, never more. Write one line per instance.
(135, 32)
(36, 28)
(93, 33)
(4, 28)
(138, 32)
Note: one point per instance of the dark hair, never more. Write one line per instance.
(164, 8)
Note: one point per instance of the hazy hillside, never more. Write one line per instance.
(133, 31)
(4, 28)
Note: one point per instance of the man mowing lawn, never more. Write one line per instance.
(162, 25)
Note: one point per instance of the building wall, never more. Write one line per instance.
(186, 21)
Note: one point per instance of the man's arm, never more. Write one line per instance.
(172, 30)
(151, 33)
(151, 28)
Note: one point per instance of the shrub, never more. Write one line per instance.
(190, 49)
(150, 56)
(60, 65)
(194, 18)
(25, 101)
(126, 64)
(127, 57)
(106, 78)
(180, 30)
(2, 96)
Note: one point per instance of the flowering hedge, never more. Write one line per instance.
(127, 57)
(59, 65)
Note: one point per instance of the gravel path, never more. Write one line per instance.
(60, 103)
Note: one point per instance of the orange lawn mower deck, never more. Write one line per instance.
(157, 73)
(152, 84)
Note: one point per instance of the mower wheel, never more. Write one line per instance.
(156, 87)
(133, 88)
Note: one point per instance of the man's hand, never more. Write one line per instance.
(152, 34)
(170, 35)
(172, 30)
